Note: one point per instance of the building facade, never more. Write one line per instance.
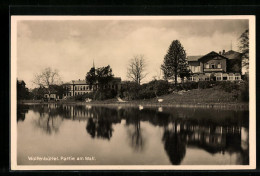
(222, 66)
(81, 87)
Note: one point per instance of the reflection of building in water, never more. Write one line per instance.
(244, 138)
(78, 112)
(212, 138)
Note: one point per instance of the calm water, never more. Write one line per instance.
(87, 135)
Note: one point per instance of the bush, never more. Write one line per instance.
(204, 84)
(244, 91)
(130, 90)
(228, 86)
(146, 94)
(162, 87)
(184, 86)
(104, 94)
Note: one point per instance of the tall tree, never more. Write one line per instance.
(47, 78)
(175, 63)
(244, 47)
(136, 69)
(100, 76)
(104, 75)
(91, 77)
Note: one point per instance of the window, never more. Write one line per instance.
(237, 78)
(207, 79)
(213, 66)
(224, 78)
(219, 65)
(75, 87)
(231, 78)
(218, 78)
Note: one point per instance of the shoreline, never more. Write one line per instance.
(219, 105)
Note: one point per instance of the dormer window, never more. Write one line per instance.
(213, 66)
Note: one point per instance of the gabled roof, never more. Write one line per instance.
(193, 58)
(211, 54)
(233, 55)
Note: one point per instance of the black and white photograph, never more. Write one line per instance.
(133, 92)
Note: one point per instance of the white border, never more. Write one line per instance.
(252, 100)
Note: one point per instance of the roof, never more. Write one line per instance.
(78, 81)
(83, 82)
(233, 55)
(193, 58)
(212, 54)
(229, 55)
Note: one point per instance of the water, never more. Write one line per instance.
(53, 134)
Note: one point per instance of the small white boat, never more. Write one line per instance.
(141, 107)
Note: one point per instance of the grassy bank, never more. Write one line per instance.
(201, 98)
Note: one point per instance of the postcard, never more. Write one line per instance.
(133, 93)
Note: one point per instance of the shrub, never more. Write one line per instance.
(244, 91)
(185, 86)
(104, 94)
(130, 90)
(161, 87)
(146, 94)
(228, 86)
(204, 84)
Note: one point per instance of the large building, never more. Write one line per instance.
(216, 66)
(80, 87)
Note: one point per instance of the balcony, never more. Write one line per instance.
(213, 69)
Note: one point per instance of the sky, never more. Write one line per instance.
(71, 46)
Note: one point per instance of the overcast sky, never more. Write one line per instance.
(71, 46)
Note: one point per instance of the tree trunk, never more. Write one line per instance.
(49, 95)
(175, 79)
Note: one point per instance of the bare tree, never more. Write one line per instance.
(47, 78)
(244, 47)
(136, 69)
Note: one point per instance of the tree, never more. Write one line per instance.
(22, 91)
(100, 76)
(104, 75)
(47, 78)
(244, 47)
(91, 77)
(175, 63)
(136, 69)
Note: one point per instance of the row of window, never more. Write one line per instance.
(88, 88)
(82, 88)
(218, 78)
(213, 66)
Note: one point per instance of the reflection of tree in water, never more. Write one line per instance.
(100, 126)
(21, 111)
(49, 120)
(134, 130)
(174, 145)
(199, 128)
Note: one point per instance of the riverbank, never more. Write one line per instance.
(206, 98)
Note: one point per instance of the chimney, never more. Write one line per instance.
(219, 52)
(223, 52)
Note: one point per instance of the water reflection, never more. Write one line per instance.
(213, 131)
